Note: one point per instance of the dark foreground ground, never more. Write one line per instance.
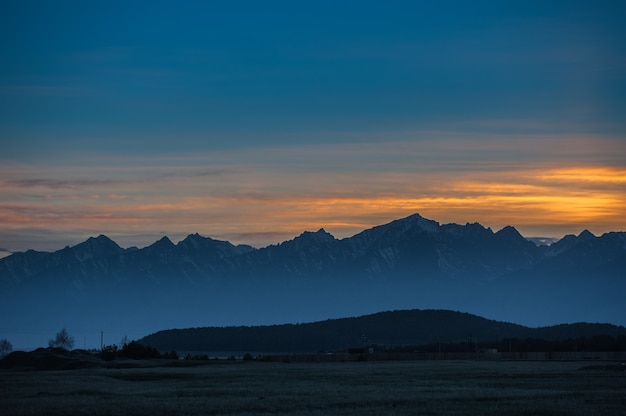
(354, 388)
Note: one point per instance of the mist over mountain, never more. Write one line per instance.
(409, 263)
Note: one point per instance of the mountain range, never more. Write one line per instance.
(409, 263)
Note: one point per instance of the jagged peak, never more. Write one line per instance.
(586, 235)
(509, 231)
(424, 223)
(192, 240)
(319, 235)
(194, 237)
(163, 241)
(196, 240)
(310, 237)
(199, 237)
(101, 241)
(476, 226)
(473, 230)
(414, 216)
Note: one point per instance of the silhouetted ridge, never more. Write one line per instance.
(473, 231)
(194, 245)
(409, 262)
(417, 220)
(385, 329)
(193, 241)
(93, 247)
(511, 234)
(163, 243)
(320, 236)
(586, 235)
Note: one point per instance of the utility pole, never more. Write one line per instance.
(101, 339)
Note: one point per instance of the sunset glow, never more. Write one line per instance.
(253, 124)
(265, 202)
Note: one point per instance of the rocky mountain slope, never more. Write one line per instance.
(409, 263)
(410, 248)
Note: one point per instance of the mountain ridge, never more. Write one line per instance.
(407, 263)
(400, 225)
(408, 248)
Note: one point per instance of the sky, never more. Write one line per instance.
(253, 121)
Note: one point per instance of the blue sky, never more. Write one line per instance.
(253, 121)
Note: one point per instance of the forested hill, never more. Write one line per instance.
(386, 329)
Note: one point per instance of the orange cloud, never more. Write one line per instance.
(294, 189)
(593, 174)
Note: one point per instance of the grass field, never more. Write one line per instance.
(354, 388)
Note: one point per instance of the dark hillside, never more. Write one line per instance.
(386, 329)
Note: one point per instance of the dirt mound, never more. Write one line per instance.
(50, 359)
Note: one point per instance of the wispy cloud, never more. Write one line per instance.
(264, 196)
(59, 184)
(133, 178)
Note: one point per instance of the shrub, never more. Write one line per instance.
(109, 352)
(137, 351)
(62, 340)
(5, 347)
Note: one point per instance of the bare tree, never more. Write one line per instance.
(63, 340)
(5, 347)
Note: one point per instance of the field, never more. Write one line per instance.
(351, 388)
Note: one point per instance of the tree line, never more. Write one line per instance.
(392, 330)
(604, 343)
